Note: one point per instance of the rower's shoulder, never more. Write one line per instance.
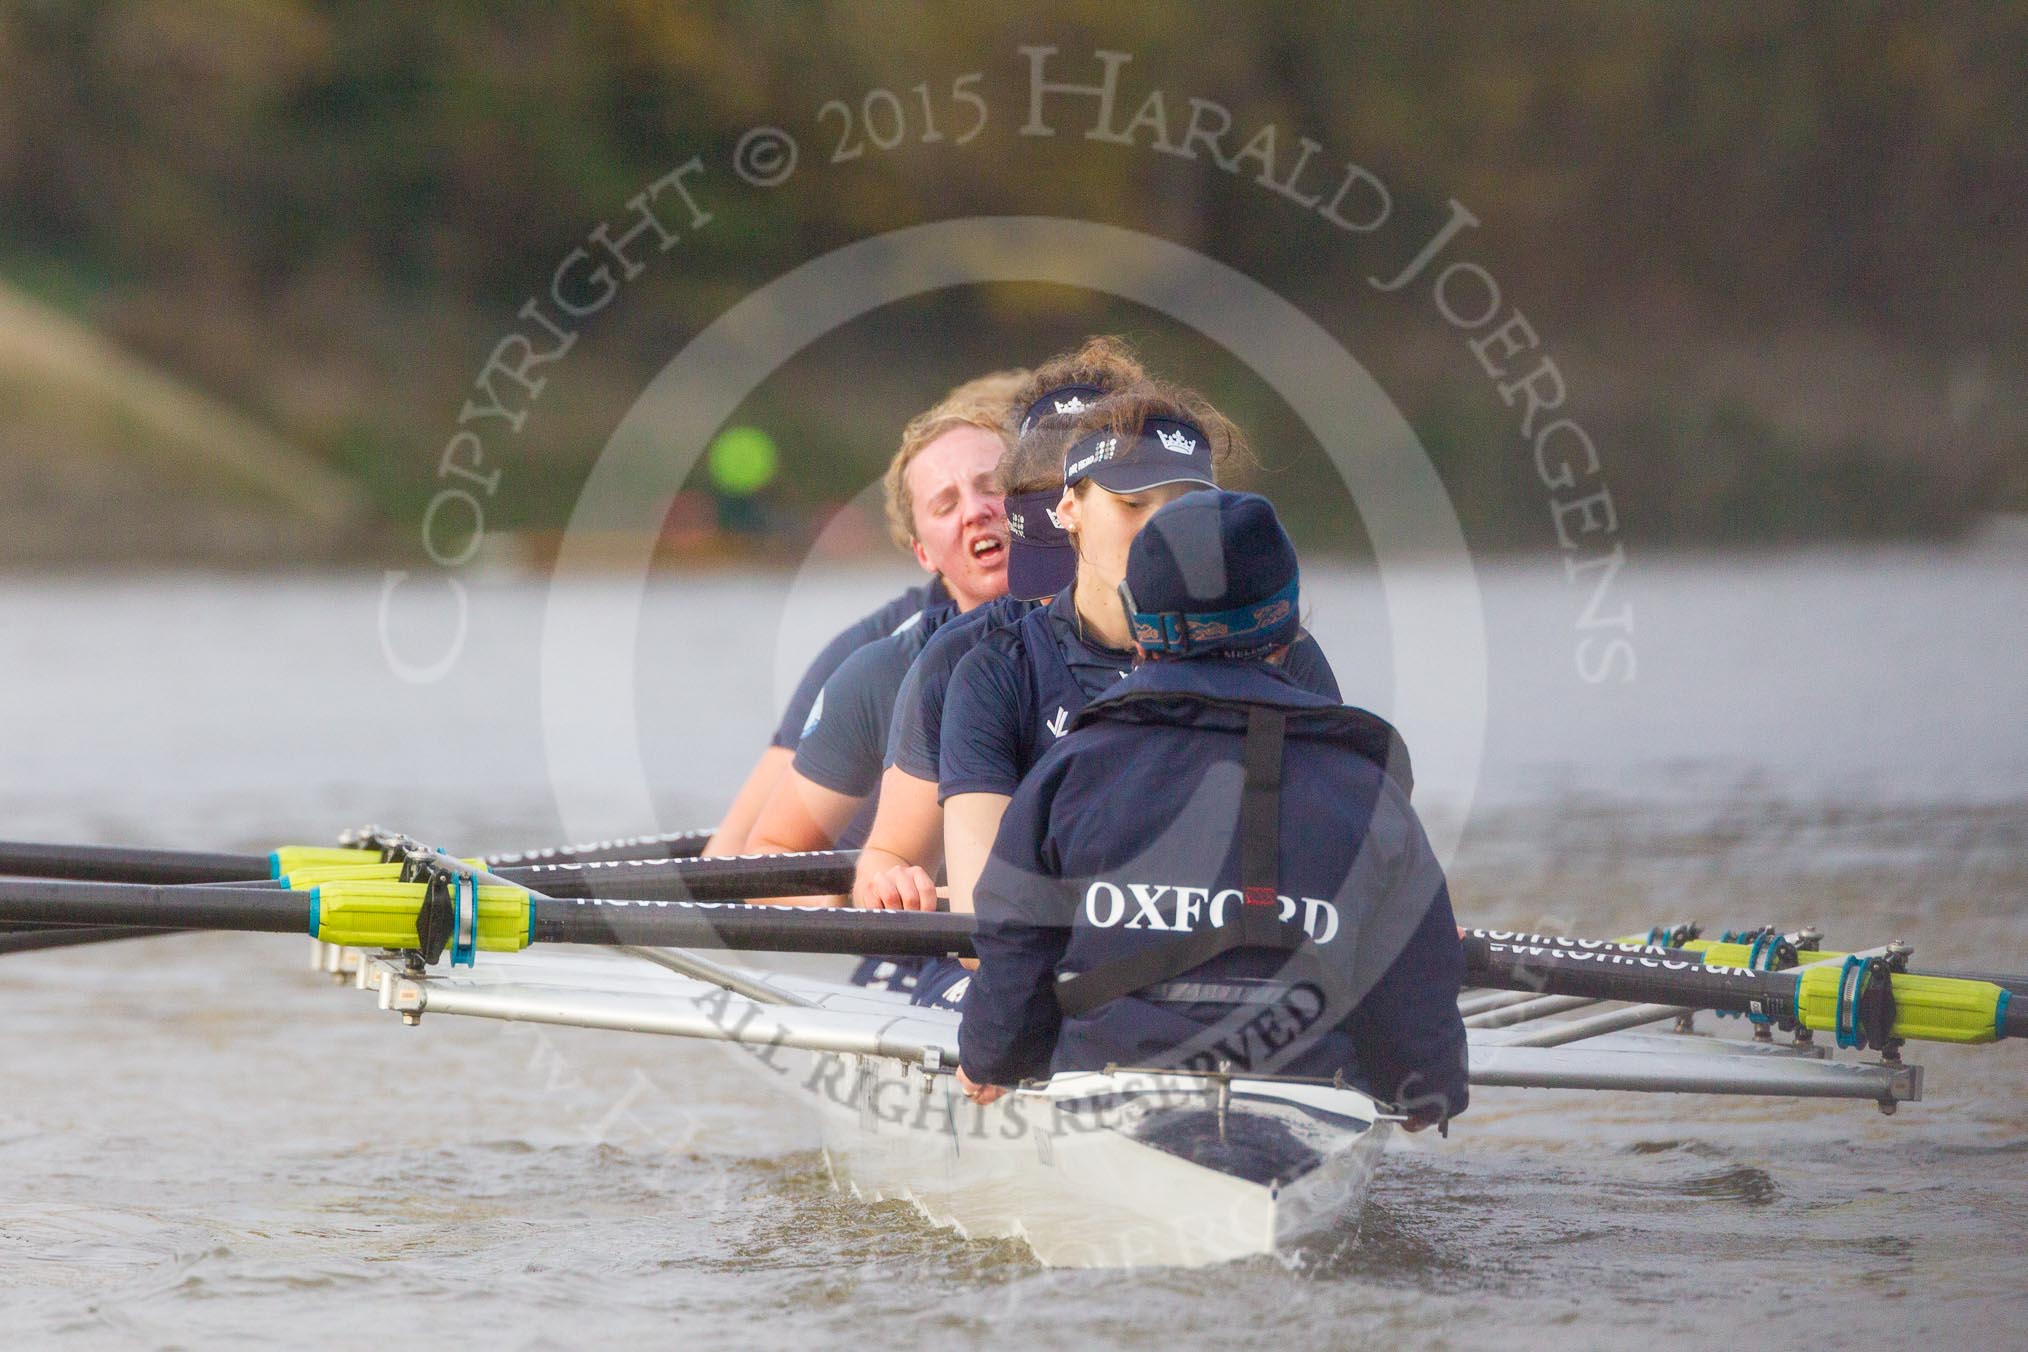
(880, 662)
(989, 667)
(907, 608)
(960, 635)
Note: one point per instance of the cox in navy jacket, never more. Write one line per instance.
(1125, 835)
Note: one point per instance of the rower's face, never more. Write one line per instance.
(960, 524)
(1105, 523)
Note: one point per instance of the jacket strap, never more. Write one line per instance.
(1258, 923)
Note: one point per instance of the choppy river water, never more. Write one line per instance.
(206, 1146)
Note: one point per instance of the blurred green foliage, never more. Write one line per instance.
(328, 213)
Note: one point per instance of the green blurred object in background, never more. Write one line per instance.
(742, 461)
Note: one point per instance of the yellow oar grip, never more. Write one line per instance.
(289, 858)
(1742, 955)
(1926, 1008)
(377, 914)
(317, 875)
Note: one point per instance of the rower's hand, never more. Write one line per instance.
(905, 887)
(874, 864)
(981, 1094)
(1418, 1123)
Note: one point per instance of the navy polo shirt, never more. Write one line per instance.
(915, 740)
(846, 734)
(849, 640)
(1007, 705)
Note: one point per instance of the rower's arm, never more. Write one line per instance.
(732, 833)
(908, 827)
(801, 815)
(971, 821)
(1411, 1042)
(1026, 908)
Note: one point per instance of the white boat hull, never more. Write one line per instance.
(1132, 1169)
(1103, 1171)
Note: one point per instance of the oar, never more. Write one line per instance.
(130, 864)
(816, 873)
(384, 915)
(1846, 999)
(721, 878)
(1715, 954)
(727, 878)
(1842, 998)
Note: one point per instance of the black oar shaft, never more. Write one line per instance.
(730, 878)
(1606, 975)
(134, 864)
(669, 845)
(122, 864)
(32, 941)
(76, 902)
(2016, 984)
(779, 929)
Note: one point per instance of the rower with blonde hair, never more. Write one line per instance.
(1117, 461)
(943, 510)
(943, 502)
(904, 847)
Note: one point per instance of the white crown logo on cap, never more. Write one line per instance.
(1070, 405)
(1178, 441)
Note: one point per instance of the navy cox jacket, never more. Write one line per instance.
(1125, 835)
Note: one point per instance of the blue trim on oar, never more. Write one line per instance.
(2000, 1013)
(464, 920)
(1851, 985)
(316, 906)
(274, 863)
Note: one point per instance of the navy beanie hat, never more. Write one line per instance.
(1212, 573)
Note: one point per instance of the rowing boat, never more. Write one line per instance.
(1134, 1167)
(1127, 1166)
